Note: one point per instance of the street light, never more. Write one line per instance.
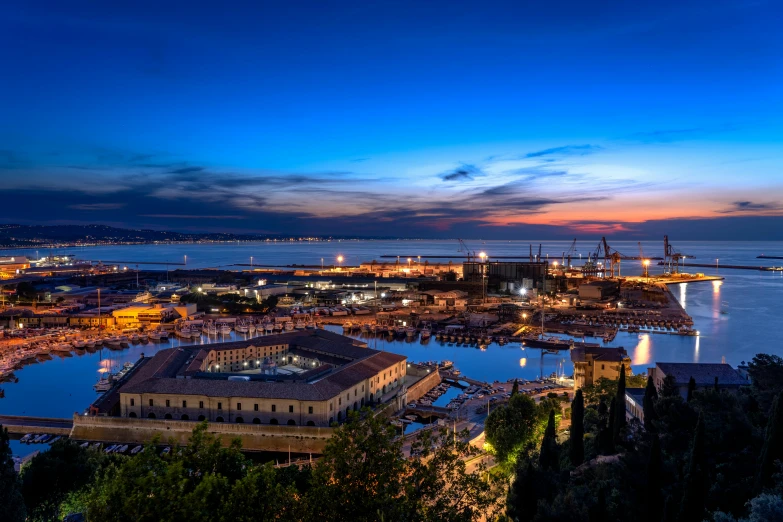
(483, 256)
(339, 260)
(409, 262)
(251, 261)
(646, 264)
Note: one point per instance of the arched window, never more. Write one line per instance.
(331, 420)
(256, 421)
(339, 416)
(310, 423)
(219, 419)
(273, 421)
(132, 415)
(201, 418)
(185, 417)
(291, 422)
(240, 420)
(151, 415)
(362, 402)
(355, 406)
(167, 416)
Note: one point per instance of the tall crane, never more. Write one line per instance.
(464, 248)
(567, 255)
(672, 258)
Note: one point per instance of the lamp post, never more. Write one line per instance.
(251, 261)
(483, 256)
(646, 264)
(340, 261)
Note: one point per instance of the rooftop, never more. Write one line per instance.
(178, 370)
(581, 354)
(703, 373)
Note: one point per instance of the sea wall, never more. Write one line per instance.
(420, 388)
(254, 437)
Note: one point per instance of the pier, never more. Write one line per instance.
(20, 425)
(732, 267)
(175, 263)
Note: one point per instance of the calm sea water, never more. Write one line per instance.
(737, 317)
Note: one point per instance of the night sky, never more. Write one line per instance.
(415, 119)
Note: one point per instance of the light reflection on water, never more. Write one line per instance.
(751, 324)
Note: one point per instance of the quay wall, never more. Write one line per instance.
(254, 437)
(420, 388)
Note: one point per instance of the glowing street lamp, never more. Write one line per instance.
(646, 264)
(340, 260)
(409, 262)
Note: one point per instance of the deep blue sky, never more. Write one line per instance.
(432, 119)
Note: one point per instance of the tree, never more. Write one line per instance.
(511, 427)
(360, 473)
(51, 475)
(605, 388)
(522, 502)
(548, 458)
(576, 437)
(607, 435)
(766, 374)
(619, 421)
(773, 444)
(654, 482)
(669, 387)
(691, 389)
(515, 388)
(692, 506)
(648, 405)
(11, 500)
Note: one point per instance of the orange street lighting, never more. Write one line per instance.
(482, 255)
(339, 259)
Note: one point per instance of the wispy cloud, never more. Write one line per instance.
(462, 173)
(566, 150)
(749, 207)
(97, 206)
(680, 134)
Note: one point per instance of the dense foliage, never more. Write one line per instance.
(362, 475)
(714, 457)
(229, 303)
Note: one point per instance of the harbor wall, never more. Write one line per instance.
(420, 388)
(254, 437)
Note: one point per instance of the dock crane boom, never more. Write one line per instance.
(567, 255)
(464, 248)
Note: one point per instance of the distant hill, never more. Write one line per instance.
(38, 235)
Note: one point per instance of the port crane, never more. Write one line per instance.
(464, 248)
(672, 258)
(567, 255)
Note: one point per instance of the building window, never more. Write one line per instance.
(339, 401)
(255, 407)
(310, 410)
(150, 402)
(184, 404)
(290, 409)
(133, 402)
(274, 408)
(603, 367)
(168, 403)
(239, 406)
(330, 406)
(200, 404)
(355, 393)
(220, 405)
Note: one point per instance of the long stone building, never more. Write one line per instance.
(304, 378)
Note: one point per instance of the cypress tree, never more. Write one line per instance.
(515, 388)
(11, 501)
(654, 482)
(650, 396)
(619, 411)
(547, 459)
(607, 435)
(692, 507)
(669, 387)
(691, 389)
(577, 446)
(522, 503)
(773, 444)
(716, 384)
